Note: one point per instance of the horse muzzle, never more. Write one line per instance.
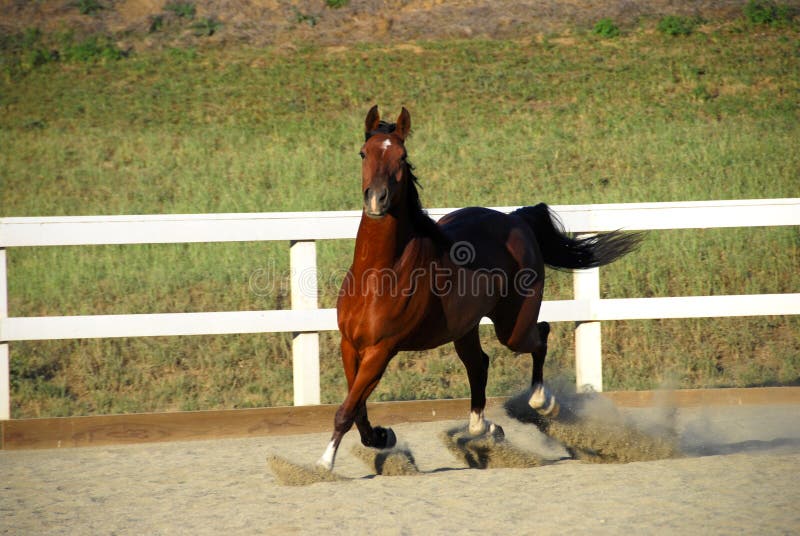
(376, 202)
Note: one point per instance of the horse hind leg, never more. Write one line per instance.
(515, 321)
(532, 339)
(541, 398)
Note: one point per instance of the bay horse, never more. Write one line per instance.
(415, 284)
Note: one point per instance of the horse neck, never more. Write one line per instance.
(381, 242)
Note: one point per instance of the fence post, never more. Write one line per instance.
(5, 366)
(588, 349)
(305, 346)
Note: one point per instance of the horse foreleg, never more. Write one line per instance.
(541, 399)
(354, 408)
(476, 362)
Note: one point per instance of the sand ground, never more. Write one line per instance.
(741, 477)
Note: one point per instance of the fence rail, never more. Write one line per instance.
(305, 320)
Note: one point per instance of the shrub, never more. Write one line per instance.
(156, 23)
(606, 28)
(91, 49)
(185, 10)
(88, 7)
(674, 25)
(300, 17)
(35, 57)
(767, 12)
(25, 51)
(30, 38)
(206, 27)
(335, 4)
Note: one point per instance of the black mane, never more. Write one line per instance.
(383, 128)
(421, 223)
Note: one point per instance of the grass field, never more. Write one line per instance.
(563, 119)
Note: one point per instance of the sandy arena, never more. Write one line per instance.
(740, 476)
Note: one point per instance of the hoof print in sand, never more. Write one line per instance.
(292, 474)
(396, 461)
(487, 451)
(594, 431)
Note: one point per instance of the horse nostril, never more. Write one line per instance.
(376, 200)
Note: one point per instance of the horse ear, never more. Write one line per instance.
(403, 124)
(373, 120)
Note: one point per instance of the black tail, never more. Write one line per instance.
(562, 251)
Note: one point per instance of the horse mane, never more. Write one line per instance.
(383, 128)
(421, 223)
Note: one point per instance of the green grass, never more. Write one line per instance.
(643, 117)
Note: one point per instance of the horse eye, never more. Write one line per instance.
(362, 154)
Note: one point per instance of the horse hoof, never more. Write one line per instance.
(385, 438)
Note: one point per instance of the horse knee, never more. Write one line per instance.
(343, 420)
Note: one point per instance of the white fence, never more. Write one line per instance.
(305, 320)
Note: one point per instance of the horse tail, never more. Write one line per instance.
(562, 251)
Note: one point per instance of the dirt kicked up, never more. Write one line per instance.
(589, 428)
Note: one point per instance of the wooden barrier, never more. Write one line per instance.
(68, 432)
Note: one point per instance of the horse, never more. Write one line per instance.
(415, 284)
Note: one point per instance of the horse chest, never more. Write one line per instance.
(370, 317)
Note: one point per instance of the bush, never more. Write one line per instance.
(185, 10)
(336, 3)
(88, 7)
(674, 25)
(35, 57)
(30, 38)
(25, 51)
(606, 28)
(767, 12)
(91, 49)
(156, 23)
(300, 17)
(206, 27)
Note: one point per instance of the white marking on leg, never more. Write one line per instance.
(543, 401)
(328, 457)
(538, 397)
(478, 425)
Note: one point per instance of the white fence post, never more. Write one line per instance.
(5, 368)
(588, 349)
(305, 346)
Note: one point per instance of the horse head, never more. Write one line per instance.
(384, 171)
